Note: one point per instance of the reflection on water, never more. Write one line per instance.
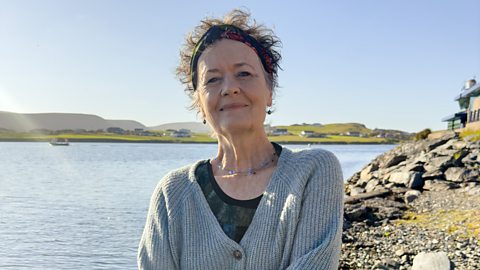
(84, 206)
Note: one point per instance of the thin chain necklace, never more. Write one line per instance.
(250, 171)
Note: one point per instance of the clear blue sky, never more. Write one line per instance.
(387, 64)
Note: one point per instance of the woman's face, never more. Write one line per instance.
(232, 88)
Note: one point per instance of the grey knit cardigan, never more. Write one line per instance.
(297, 225)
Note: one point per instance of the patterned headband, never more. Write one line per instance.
(227, 31)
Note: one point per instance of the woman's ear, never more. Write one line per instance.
(270, 99)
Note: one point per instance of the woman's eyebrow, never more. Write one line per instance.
(242, 64)
(213, 70)
(237, 65)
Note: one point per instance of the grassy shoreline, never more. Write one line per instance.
(196, 138)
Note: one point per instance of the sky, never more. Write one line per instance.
(386, 64)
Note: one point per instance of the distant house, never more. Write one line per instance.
(142, 132)
(469, 102)
(181, 133)
(311, 134)
(279, 132)
(116, 130)
(353, 133)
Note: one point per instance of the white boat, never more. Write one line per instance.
(59, 142)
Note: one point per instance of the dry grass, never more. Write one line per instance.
(474, 135)
(464, 223)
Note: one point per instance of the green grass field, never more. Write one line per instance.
(196, 138)
(328, 129)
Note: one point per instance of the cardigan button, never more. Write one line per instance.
(237, 254)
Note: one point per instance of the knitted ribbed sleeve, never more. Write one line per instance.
(297, 225)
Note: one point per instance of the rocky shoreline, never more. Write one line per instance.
(415, 207)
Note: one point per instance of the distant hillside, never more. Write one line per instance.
(192, 126)
(25, 122)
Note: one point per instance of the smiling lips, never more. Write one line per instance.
(232, 106)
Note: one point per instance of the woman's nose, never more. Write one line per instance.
(230, 87)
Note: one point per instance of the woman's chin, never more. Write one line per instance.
(237, 126)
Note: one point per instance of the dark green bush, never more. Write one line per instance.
(422, 135)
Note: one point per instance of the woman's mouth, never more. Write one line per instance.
(232, 106)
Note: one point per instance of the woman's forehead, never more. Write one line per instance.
(227, 53)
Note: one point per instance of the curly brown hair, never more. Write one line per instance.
(241, 19)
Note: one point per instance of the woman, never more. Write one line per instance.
(256, 205)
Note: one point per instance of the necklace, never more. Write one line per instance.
(250, 171)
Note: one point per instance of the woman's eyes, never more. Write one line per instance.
(243, 74)
(239, 74)
(212, 80)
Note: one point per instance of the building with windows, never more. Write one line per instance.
(469, 115)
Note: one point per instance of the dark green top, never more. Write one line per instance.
(233, 215)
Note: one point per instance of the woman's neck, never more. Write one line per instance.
(243, 152)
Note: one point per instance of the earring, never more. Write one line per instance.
(269, 111)
(204, 121)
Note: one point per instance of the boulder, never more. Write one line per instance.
(473, 145)
(459, 145)
(472, 176)
(393, 160)
(437, 163)
(409, 179)
(436, 143)
(438, 185)
(455, 174)
(356, 190)
(372, 184)
(431, 261)
(458, 157)
(446, 146)
(388, 213)
(421, 159)
(470, 159)
(354, 178)
(437, 174)
(366, 173)
(355, 212)
(411, 195)
(414, 167)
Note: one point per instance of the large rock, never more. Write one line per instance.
(366, 174)
(455, 174)
(473, 145)
(431, 261)
(472, 176)
(438, 185)
(437, 174)
(407, 178)
(411, 195)
(385, 208)
(414, 167)
(471, 159)
(436, 143)
(437, 163)
(355, 212)
(372, 184)
(459, 145)
(356, 190)
(392, 160)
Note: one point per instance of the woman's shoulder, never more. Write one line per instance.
(312, 155)
(178, 182)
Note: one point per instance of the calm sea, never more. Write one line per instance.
(84, 206)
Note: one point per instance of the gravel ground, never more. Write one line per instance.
(437, 221)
